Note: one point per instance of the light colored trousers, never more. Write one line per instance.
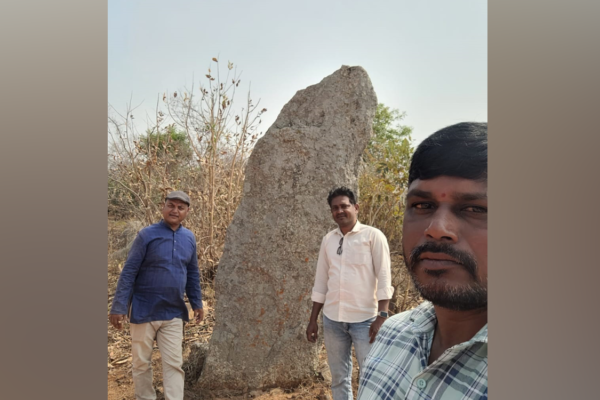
(169, 336)
(339, 337)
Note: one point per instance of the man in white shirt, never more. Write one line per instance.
(353, 287)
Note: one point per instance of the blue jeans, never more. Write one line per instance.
(339, 337)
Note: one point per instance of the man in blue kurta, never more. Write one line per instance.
(161, 266)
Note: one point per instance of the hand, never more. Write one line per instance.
(374, 329)
(117, 320)
(198, 315)
(312, 331)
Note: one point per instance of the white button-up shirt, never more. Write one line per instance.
(350, 285)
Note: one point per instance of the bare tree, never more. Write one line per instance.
(200, 144)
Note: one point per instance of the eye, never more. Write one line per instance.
(475, 209)
(422, 206)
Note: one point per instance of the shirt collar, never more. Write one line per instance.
(423, 318)
(357, 227)
(481, 336)
(423, 322)
(163, 223)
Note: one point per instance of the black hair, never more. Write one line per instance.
(458, 150)
(341, 191)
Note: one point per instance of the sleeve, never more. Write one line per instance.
(192, 287)
(123, 294)
(382, 266)
(322, 275)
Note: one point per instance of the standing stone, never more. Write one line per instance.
(265, 276)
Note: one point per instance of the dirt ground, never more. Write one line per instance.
(120, 384)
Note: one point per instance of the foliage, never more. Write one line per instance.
(169, 142)
(387, 128)
(382, 182)
(199, 143)
(384, 173)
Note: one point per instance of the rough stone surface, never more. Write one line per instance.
(265, 276)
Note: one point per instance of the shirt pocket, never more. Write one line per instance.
(359, 253)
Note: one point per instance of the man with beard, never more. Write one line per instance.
(439, 349)
(353, 287)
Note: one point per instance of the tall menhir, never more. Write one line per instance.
(264, 280)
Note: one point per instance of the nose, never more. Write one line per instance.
(442, 227)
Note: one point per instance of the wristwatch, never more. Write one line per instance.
(382, 314)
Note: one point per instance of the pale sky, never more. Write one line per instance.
(427, 58)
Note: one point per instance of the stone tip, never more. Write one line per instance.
(346, 69)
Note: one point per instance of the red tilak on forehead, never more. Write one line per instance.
(443, 194)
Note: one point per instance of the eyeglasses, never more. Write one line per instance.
(339, 250)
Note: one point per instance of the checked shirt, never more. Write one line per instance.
(396, 367)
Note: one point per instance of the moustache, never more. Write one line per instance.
(465, 259)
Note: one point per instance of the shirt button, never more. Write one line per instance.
(421, 383)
